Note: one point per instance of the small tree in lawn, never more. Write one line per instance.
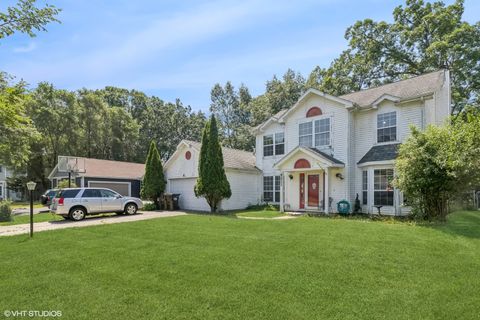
(153, 181)
(212, 183)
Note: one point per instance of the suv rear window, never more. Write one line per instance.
(68, 193)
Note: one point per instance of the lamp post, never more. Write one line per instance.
(31, 186)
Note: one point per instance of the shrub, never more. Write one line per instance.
(64, 184)
(437, 165)
(149, 206)
(266, 207)
(5, 211)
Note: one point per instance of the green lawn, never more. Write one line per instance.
(17, 205)
(259, 213)
(40, 217)
(214, 267)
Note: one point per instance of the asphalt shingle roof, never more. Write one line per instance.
(327, 156)
(381, 153)
(404, 89)
(232, 158)
(113, 169)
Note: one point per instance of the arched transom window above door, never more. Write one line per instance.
(302, 164)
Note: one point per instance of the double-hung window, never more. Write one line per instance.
(273, 144)
(305, 134)
(271, 188)
(322, 132)
(364, 187)
(314, 133)
(387, 127)
(383, 190)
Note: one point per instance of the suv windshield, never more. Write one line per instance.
(71, 193)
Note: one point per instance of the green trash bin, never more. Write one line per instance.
(343, 207)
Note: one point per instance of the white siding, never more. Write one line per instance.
(181, 175)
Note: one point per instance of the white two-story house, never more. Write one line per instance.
(324, 149)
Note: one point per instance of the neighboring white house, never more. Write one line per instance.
(5, 193)
(181, 172)
(324, 149)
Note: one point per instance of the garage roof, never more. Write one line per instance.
(232, 158)
(109, 169)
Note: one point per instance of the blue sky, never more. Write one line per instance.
(180, 49)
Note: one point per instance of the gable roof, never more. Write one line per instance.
(409, 88)
(381, 153)
(232, 158)
(327, 156)
(329, 160)
(99, 168)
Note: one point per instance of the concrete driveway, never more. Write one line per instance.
(89, 221)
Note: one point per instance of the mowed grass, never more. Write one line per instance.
(259, 214)
(214, 267)
(39, 217)
(25, 205)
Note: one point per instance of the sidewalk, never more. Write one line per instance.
(89, 221)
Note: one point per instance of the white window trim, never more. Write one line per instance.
(273, 145)
(312, 121)
(275, 177)
(373, 187)
(397, 127)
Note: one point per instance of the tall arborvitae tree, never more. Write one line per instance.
(212, 183)
(153, 181)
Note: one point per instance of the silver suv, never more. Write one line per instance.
(76, 203)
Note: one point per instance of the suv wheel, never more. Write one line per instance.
(77, 214)
(131, 208)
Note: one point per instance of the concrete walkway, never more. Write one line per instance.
(89, 221)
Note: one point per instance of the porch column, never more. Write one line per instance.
(327, 193)
(282, 190)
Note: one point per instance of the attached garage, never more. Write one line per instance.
(187, 200)
(124, 188)
(181, 172)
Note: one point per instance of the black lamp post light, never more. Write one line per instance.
(31, 186)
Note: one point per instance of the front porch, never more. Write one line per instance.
(305, 181)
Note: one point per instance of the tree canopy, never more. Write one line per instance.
(27, 18)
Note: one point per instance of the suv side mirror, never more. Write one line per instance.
(118, 196)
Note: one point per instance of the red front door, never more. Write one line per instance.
(302, 190)
(313, 190)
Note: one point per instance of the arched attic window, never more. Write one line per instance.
(314, 111)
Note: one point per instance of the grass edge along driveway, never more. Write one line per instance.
(212, 267)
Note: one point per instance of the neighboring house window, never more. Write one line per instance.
(364, 187)
(316, 133)
(273, 144)
(271, 189)
(383, 190)
(387, 127)
(1, 169)
(1, 190)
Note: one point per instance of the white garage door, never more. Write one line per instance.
(124, 188)
(188, 201)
